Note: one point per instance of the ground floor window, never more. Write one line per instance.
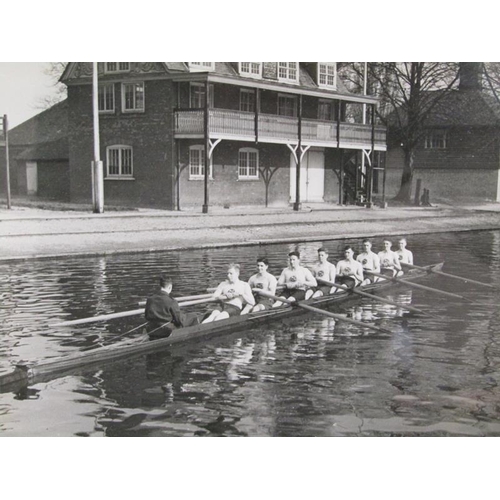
(119, 161)
(197, 163)
(248, 164)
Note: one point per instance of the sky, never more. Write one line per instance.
(22, 86)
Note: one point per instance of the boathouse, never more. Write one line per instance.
(39, 158)
(268, 134)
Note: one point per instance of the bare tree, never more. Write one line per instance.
(54, 70)
(408, 93)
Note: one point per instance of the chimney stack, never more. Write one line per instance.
(471, 76)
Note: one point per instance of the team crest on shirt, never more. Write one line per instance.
(293, 278)
(347, 269)
(386, 262)
(259, 285)
(365, 261)
(231, 290)
(400, 257)
(321, 274)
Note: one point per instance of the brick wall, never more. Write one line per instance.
(457, 179)
(225, 188)
(149, 134)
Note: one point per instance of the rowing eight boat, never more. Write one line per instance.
(31, 373)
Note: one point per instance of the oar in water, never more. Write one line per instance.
(417, 285)
(124, 314)
(338, 317)
(454, 276)
(373, 297)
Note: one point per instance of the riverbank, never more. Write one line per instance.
(32, 232)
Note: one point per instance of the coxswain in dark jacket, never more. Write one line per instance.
(163, 312)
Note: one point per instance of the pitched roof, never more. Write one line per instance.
(466, 108)
(49, 125)
(82, 72)
(52, 150)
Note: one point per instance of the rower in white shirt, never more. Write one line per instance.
(389, 261)
(323, 269)
(405, 256)
(296, 279)
(232, 294)
(370, 262)
(349, 271)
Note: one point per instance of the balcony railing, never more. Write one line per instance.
(273, 128)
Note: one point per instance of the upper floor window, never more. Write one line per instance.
(197, 163)
(288, 71)
(106, 98)
(116, 67)
(436, 139)
(247, 100)
(201, 66)
(287, 105)
(133, 97)
(326, 110)
(119, 162)
(327, 74)
(197, 93)
(248, 163)
(253, 69)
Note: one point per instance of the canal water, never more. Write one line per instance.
(307, 376)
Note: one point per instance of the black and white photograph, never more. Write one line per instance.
(283, 250)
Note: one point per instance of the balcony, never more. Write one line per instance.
(240, 125)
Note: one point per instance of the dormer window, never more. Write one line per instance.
(327, 74)
(288, 72)
(252, 69)
(201, 66)
(116, 67)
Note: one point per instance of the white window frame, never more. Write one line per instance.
(120, 175)
(436, 139)
(201, 66)
(284, 71)
(118, 69)
(199, 173)
(211, 94)
(288, 96)
(244, 71)
(327, 66)
(246, 152)
(102, 88)
(135, 109)
(247, 92)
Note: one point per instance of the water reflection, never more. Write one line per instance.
(303, 376)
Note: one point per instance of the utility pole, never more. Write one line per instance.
(97, 169)
(5, 127)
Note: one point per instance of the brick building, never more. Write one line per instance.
(159, 134)
(39, 157)
(458, 158)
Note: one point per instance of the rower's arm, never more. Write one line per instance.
(247, 295)
(410, 257)
(310, 279)
(281, 280)
(376, 263)
(332, 274)
(218, 292)
(359, 272)
(396, 262)
(273, 283)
